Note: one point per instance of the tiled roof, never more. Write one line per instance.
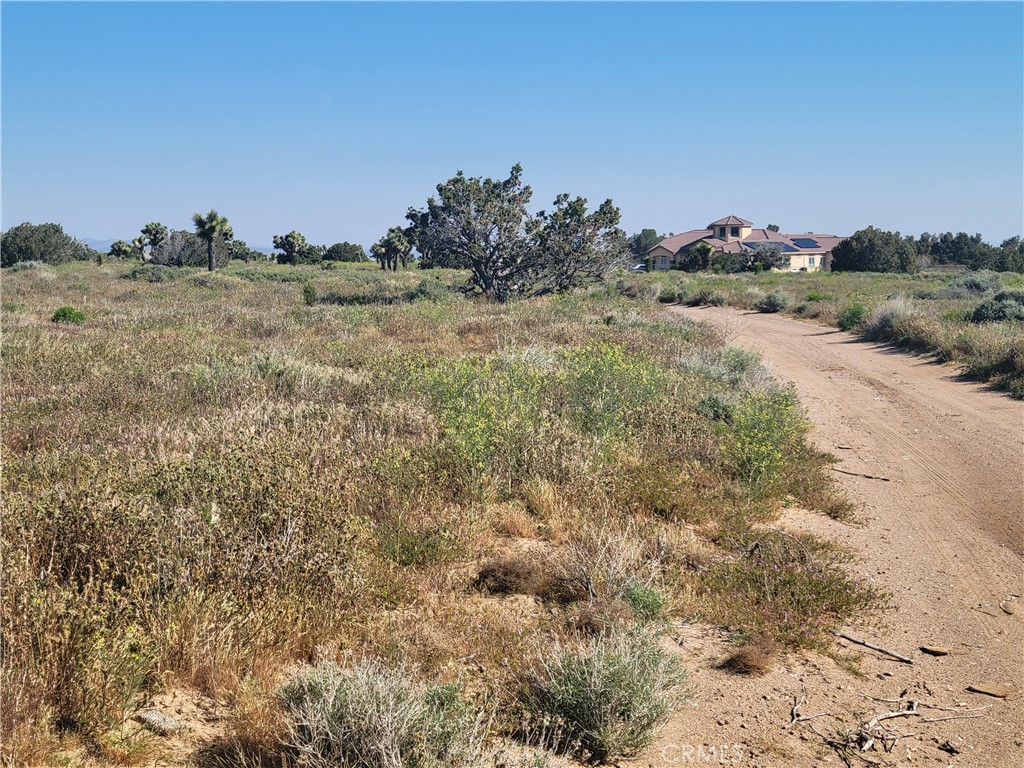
(730, 220)
(682, 240)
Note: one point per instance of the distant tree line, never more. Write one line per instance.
(876, 250)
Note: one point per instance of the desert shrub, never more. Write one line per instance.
(607, 564)
(882, 324)
(1000, 363)
(819, 296)
(668, 295)
(647, 601)
(515, 575)
(375, 716)
(309, 294)
(1005, 305)
(152, 273)
(716, 406)
(69, 315)
(851, 316)
(785, 588)
(731, 366)
(430, 289)
(981, 281)
(767, 427)
(609, 693)
(776, 301)
(20, 266)
(705, 296)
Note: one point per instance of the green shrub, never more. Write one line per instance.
(776, 301)
(309, 294)
(375, 716)
(851, 316)
(647, 602)
(819, 296)
(608, 693)
(767, 427)
(153, 273)
(1005, 305)
(69, 315)
(705, 296)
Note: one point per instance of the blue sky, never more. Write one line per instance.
(333, 118)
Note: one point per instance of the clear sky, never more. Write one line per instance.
(334, 118)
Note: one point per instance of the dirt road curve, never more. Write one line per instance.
(944, 534)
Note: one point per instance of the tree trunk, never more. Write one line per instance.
(209, 252)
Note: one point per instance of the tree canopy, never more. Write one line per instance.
(346, 251)
(642, 242)
(47, 243)
(483, 225)
(209, 229)
(874, 250)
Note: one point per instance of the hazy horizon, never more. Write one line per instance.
(333, 118)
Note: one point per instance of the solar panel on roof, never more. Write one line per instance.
(805, 242)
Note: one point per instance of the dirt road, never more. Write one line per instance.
(943, 532)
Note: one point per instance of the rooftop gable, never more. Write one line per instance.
(730, 221)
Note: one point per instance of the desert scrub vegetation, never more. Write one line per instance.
(973, 319)
(220, 479)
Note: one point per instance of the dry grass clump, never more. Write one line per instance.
(753, 658)
(522, 574)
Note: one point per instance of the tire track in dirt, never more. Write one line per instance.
(945, 536)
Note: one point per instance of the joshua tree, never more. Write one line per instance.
(208, 229)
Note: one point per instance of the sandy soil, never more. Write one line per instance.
(943, 532)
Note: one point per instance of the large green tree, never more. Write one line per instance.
(211, 228)
(41, 242)
(874, 250)
(642, 242)
(483, 224)
(346, 251)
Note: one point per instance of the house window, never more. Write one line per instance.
(721, 232)
(810, 261)
(734, 231)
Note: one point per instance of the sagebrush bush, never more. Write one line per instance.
(1005, 305)
(155, 273)
(883, 322)
(981, 281)
(776, 301)
(24, 266)
(608, 693)
(374, 716)
(69, 315)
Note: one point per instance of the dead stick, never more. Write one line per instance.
(866, 729)
(954, 717)
(874, 647)
(861, 474)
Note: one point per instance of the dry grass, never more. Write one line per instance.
(212, 481)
